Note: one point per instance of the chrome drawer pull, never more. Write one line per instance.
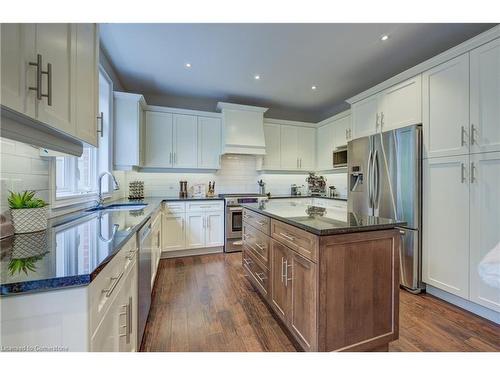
(288, 237)
(116, 280)
(260, 247)
(260, 276)
(260, 222)
(247, 261)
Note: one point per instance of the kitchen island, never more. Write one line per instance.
(330, 276)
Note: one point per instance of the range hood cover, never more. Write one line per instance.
(243, 129)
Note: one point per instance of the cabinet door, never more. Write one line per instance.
(446, 224)
(365, 117)
(106, 337)
(17, 51)
(279, 290)
(272, 159)
(401, 105)
(303, 296)
(445, 108)
(289, 147)
(209, 142)
(185, 141)
(306, 148)
(195, 230)
(214, 235)
(326, 144)
(342, 133)
(158, 140)
(485, 97)
(56, 43)
(87, 78)
(127, 313)
(173, 232)
(485, 230)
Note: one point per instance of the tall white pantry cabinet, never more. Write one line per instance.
(461, 177)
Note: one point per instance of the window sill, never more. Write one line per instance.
(76, 199)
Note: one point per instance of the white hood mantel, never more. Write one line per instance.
(242, 129)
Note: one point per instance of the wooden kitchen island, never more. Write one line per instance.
(331, 277)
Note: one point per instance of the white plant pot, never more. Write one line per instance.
(27, 220)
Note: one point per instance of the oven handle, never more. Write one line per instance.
(235, 209)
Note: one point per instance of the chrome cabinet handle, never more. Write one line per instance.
(48, 95)
(381, 120)
(462, 171)
(38, 87)
(472, 134)
(101, 120)
(247, 261)
(115, 282)
(472, 172)
(282, 270)
(346, 134)
(462, 136)
(261, 223)
(376, 122)
(262, 248)
(131, 254)
(288, 237)
(260, 276)
(286, 273)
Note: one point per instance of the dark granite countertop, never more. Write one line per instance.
(73, 249)
(284, 196)
(319, 220)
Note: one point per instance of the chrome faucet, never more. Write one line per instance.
(116, 186)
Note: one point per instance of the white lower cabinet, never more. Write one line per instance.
(174, 237)
(192, 225)
(446, 224)
(485, 230)
(156, 228)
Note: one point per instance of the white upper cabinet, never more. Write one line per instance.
(128, 135)
(446, 224)
(365, 117)
(47, 69)
(342, 132)
(401, 105)
(209, 142)
(18, 50)
(485, 97)
(306, 148)
(158, 130)
(272, 159)
(87, 81)
(325, 141)
(446, 108)
(289, 147)
(485, 229)
(56, 44)
(185, 141)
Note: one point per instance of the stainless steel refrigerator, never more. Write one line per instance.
(385, 180)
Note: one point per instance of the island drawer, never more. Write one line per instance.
(256, 220)
(205, 206)
(174, 207)
(304, 243)
(258, 242)
(103, 289)
(258, 274)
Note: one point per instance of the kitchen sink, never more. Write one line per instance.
(119, 207)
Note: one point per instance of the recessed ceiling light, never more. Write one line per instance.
(256, 76)
(313, 87)
(187, 65)
(384, 37)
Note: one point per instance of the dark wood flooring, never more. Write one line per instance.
(205, 303)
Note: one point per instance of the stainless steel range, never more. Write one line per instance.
(234, 218)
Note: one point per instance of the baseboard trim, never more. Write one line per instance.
(474, 308)
(191, 252)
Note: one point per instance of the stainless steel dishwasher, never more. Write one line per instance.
(144, 287)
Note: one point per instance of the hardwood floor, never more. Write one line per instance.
(205, 303)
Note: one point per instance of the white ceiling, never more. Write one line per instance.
(341, 59)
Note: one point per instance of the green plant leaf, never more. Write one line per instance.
(25, 199)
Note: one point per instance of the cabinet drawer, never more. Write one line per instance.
(304, 243)
(103, 289)
(258, 242)
(258, 274)
(205, 206)
(174, 207)
(256, 220)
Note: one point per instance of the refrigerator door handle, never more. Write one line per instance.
(369, 179)
(376, 181)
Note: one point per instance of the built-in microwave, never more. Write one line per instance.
(340, 158)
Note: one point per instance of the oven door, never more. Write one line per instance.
(234, 222)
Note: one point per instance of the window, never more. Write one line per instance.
(76, 179)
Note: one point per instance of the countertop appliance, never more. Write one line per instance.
(144, 285)
(234, 218)
(385, 179)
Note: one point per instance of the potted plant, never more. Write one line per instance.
(29, 214)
